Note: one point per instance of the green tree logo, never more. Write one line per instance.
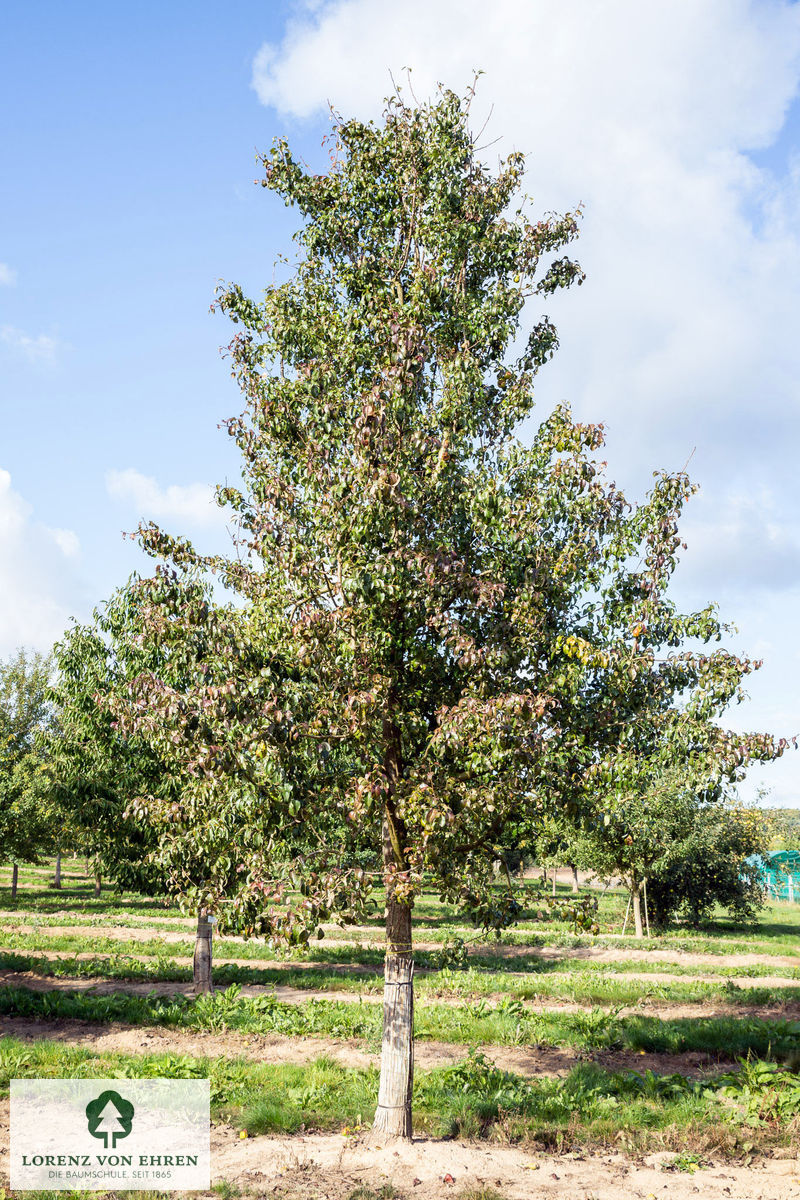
(109, 1116)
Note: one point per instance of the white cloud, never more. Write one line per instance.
(685, 334)
(39, 349)
(67, 541)
(8, 276)
(192, 502)
(38, 593)
(745, 545)
(685, 330)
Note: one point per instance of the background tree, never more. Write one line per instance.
(650, 699)
(784, 826)
(416, 638)
(29, 826)
(101, 771)
(706, 868)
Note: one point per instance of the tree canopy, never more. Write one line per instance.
(435, 629)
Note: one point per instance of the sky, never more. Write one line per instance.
(127, 192)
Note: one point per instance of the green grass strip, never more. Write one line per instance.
(506, 1024)
(473, 1098)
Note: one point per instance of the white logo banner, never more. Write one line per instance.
(110, 1134)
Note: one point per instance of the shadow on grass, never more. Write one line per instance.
(51, 900)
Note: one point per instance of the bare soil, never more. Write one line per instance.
(333, 1166)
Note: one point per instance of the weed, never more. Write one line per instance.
(685, 1161)
(226, 1190)
(599, 1030)
(386, 1192)
(480, 1193)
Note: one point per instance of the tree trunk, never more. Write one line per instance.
(555, 872)
(393, 1114)
(574, 877)
(57, 878)
(201, 966)
(98, 884)
(636, 896)
(14, 880)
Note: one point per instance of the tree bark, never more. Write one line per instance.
(636, 896)
(98, 884)
(555, 872)
(393, 1114)
(202, 964)
(57, 878)
(574, 877)
(14, 880)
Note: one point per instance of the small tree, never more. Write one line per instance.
(101, 771)
(651, 708)
(28, 823)
(707, 868)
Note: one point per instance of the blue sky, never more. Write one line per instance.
(126, 192)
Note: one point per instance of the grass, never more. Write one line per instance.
(506, 1024)
(37, 934)
(492, 1001)
(573, 980)
(590, 1106)
(777, 930)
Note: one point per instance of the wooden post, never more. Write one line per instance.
(14, 880)
(646, 914)
(202, 964)
(636, 896)
(627, 912)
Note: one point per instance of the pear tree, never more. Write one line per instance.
(405, 642)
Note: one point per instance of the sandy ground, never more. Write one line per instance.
(332, 1166)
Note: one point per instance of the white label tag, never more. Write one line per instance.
(110, 1134)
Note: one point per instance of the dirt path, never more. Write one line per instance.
(311, 1166)
(99, 986)
(609, 956)
(120, 1038)
(332, 1166)
(168, 937)
(260, 964)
